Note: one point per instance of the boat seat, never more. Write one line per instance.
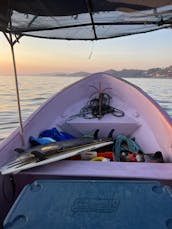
(122, 125)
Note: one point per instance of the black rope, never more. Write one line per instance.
(97, 107)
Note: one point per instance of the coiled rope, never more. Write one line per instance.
(97, 107)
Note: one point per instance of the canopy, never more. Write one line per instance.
(83, 19)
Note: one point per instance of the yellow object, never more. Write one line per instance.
(98, 159)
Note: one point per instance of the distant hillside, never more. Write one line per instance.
(63, 74)
(80, 74)
(125, 73)
(150, 73)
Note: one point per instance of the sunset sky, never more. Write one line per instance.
(35, 55)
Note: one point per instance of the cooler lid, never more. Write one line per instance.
(89, 204)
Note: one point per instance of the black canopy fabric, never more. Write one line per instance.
(84, 19)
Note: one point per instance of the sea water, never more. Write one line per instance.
(34, 90)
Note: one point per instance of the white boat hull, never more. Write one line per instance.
(144, 119)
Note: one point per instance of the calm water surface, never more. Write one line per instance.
(34, 90)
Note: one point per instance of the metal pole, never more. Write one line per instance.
(10, 40)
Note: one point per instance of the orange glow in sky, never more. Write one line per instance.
(34, 56)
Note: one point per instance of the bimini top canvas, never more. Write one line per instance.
(84, 19)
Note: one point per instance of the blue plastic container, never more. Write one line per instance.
(70, 204)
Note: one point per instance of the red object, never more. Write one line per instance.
(109, 155)
(132, 157)
(76, 157)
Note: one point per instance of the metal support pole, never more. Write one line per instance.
(11, 42)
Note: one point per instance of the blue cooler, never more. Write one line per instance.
(87, 204)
